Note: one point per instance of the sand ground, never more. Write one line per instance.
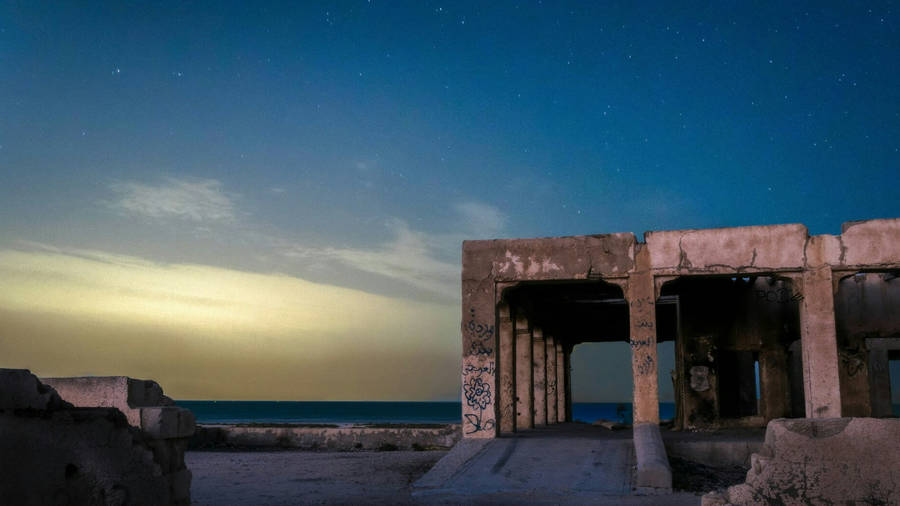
(280, 478)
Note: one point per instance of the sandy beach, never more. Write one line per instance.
(282, 478)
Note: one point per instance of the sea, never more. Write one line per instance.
(348, 412)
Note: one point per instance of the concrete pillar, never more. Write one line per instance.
(551, 379)
(880, 382)
(641, 298)
(560, 384)
(795, 376)
(539, 372)
(507, 372)
(774, 385)
(821, 379)
(567, 380)
(524, 388)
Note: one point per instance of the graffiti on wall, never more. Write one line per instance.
(779, 296)
(478, 330)
(478, 396)
(478, 376)
(645, 365)
(478, 369)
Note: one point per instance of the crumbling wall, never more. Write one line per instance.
(54, 453)
(167, 429)
(822, 461)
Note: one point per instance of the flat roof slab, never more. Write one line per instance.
(772, 247)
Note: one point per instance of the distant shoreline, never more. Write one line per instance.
(374, 413)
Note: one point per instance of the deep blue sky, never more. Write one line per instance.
(354, 144)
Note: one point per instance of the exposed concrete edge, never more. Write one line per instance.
(356, 438)
(653, 476)
(449, 466)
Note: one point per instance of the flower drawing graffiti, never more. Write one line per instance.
(478, 393)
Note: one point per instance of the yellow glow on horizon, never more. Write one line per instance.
(214, 312)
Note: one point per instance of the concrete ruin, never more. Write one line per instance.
(767, 322)
(813, 320)
(106, 440)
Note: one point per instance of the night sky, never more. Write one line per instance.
(267, 202)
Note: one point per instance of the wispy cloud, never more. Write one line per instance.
(198, 200)
(481, 220)
(409, 257)
(426, 261)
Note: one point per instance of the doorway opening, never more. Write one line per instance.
(737, 350)
(589, 319)
(602, 382)
(867, 322)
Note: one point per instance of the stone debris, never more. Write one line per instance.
(66, 450)
(821, 461)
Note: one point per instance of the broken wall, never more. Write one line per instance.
(54, 453)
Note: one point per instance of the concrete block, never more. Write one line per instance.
(166, 422)
(653, 471)
(97, 391)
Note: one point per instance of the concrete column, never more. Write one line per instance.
(774, 384)
(880, 381)
(507, 372)
(641, 298)
(795, 377)
(821, 379)
(539, 372)
(551, 380)
(524, 388)
(560, 384)
(567, 359)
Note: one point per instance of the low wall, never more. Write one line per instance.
(822, 461)
(326, 438)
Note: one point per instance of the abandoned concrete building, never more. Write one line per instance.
(767, 322)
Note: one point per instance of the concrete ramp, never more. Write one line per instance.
(546, 465)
